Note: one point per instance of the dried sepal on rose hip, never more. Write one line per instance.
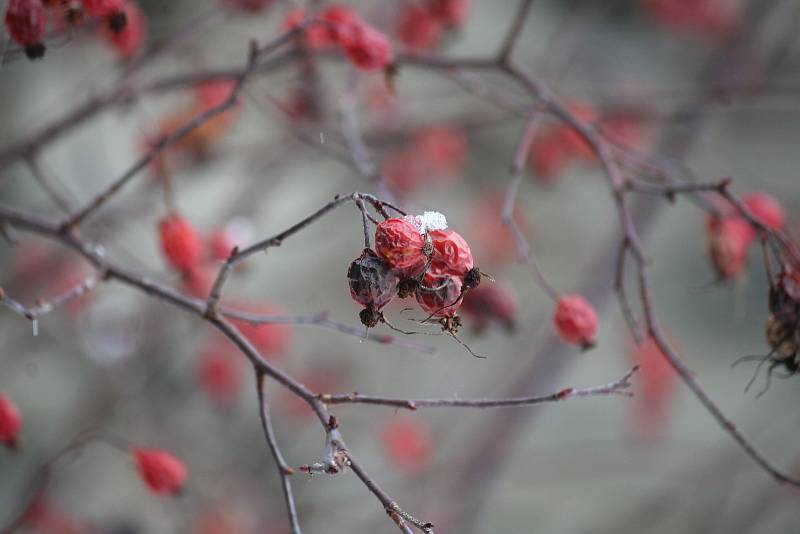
(127, 40)
(25, 22)
(113, 11)
(782, 326)
(575, 321)
(161, 472)
(373, 284)
(10, 422)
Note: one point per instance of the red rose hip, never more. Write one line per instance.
(10, 422)
(400, 243)
(25, 22)
(162, 473)
(180, 243)
(451, 252)
(440, 294)
(575, 320)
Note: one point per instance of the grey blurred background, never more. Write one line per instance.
(123, 363)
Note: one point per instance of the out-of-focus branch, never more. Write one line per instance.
(284, 470)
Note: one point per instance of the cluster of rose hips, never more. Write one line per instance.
(420, 26)
(123, 24)
(730, 235)
(341, 27)
(414, 255)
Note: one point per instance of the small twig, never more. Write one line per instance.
(618, 387)
(284, 470)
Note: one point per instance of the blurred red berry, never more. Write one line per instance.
(403, 171)
(218, 371)
(10, 422)
(315, 34)
(417, 28)
(443, 147)
(324, 379)
(25, 22)
(729, 240)
(273, 341)
(439, 294)
(198, 281)
(766, 209)
(400, 243)
(44, 517)
(162, 473)
(236, 233)
(102, 8)
(655, 387)
(340, 23)
(627, 131)
(493, 240)
(548, 156)
(128, 41)
(407, 443)
(451, 13)
(451, 253)
(180, 243)
(490, 303)
(214, 93)
(250, 6)
(714, 18)
(575, 320)
(367, 48)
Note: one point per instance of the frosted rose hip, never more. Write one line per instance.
(400, 244)
(162, 473)
(10, 422)
(575, 320)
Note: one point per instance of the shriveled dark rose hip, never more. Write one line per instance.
(373, 284)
